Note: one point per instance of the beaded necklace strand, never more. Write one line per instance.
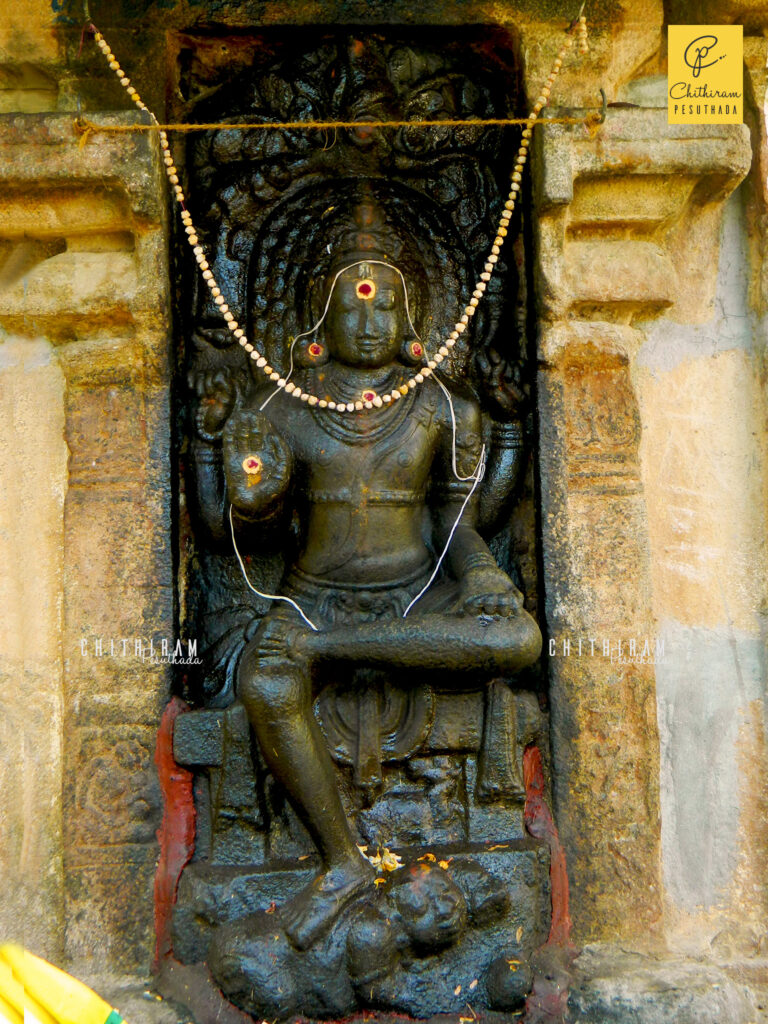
(578, 27)
(368, 400)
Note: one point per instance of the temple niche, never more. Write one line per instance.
(353, 821)
(358, 753)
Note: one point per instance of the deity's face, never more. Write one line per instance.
(366, 318)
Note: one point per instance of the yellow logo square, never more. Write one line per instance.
(705, 80)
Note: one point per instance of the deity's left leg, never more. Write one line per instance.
(497, 645)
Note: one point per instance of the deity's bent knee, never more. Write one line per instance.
(273, 673)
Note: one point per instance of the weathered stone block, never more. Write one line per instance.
(209, 896)
(84, 228)
(613, 986)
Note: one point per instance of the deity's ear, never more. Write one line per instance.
(310, 351)
(412, 351)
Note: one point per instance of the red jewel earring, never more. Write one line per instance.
(413, 352)
(311, 353)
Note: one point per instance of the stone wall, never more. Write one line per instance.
(651, 285)
(86, 536)
(629, 451)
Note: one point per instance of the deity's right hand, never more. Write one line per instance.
(257, 463)
(217, 395)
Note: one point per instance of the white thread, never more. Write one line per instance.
(454, 464)
(479, 474)
(267, 597)
(476, 477)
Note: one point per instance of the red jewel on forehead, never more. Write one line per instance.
(365, 289)
(368, 396)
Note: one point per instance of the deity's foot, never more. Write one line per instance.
(310, 914)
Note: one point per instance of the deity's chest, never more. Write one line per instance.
(384, 458)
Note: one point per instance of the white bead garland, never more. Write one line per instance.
(459, 327)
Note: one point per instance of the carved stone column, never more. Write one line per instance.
(620, 215)
(86, 530)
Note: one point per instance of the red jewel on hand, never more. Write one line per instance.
(252, 464)
(315, 349)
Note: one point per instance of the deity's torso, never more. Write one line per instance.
(366, 479)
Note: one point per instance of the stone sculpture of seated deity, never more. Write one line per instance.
(381, 492)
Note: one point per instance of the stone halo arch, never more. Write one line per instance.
(293, 251)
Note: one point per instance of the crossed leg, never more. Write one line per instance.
(275, 685)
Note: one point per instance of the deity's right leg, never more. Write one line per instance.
(275, 687)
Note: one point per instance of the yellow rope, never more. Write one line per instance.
(82, 124)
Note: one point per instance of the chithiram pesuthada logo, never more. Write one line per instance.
(705, 80)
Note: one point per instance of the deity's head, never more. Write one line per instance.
(432, 907)
(369, 297)
(366, 320)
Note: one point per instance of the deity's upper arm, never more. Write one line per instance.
(468, 436)
(448, 489)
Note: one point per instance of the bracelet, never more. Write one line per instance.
(479, 560)
(507, 435)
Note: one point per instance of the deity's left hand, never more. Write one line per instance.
(488, 591)
(501, 383)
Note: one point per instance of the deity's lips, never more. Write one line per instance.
(368, 345)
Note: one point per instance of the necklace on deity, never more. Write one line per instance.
(354, 385)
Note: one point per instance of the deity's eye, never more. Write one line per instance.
(365, 289)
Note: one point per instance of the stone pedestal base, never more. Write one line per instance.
(510, 922)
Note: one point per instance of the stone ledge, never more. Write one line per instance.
(612, 985)
(638, 141)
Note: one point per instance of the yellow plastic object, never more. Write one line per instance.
(50, 996)
(16, 1005)
(8, 1015)
(11, 997)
